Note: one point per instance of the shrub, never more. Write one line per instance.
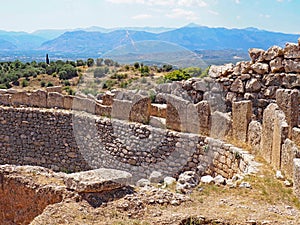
(43, 83)
(49, 84)
(177, 75)
(24, 83)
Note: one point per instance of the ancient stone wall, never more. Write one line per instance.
(73, 141)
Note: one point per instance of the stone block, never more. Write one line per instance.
(121, 109)
(55, 100)
(108, 99)
(140, 110)
(20, 98)
(198, 118)
(176, 118)
(102, 110)
(158, 110)
(68, 101)
(57, 89)
(83, 104)
(296, 135)
(289, 152)
(277, 65)
(221, 125)
(267, 131)
(97, 180)
(288, 102)
(38, 99)
(280, 133)
(157, 122)
(5, 99)
(254, 135)
(291, 65)
(296, 177)
(291, 51)
(241, 117)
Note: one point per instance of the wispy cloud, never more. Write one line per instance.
(181, 13)
(142, 16)
(213, 12)
(237, 1)
(174, 3)
(266, 16)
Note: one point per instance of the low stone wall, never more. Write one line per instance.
(75, 141)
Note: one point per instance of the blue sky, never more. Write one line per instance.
(30, 15)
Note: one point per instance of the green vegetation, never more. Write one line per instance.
(177, 75)
(11, 72)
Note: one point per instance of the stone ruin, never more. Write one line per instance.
(186, 127)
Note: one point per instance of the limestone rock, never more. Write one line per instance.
(254, 135)
(291, 51)
(97, 180)
(279, 175)
(272, 53)
(143, 183)
(253, 85)
(218, 71)
(256, 54)
(169, 180)
(207, 179)
(237, 86)
(277, 65)
(260, 68)
(245, 185)
(156, 177)
(219, 180)
(291, 66)
(187, 181)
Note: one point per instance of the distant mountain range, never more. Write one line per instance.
(99, 42)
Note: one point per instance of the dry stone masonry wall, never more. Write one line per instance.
(255, 102)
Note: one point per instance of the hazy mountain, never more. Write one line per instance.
(97, 42)
(20, 40)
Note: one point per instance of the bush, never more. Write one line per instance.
(49, 84)
(101, 72)
(43, 83)
(67, 83)
(177, 75)
(24, 83)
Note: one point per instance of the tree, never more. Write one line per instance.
(101, 72)
(108, 62)
(47, 59)
(80, 62)
(99, 62)
(136, 65)
(90, 62)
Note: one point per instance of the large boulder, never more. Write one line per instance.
(256, 54)
(272, 53)
(291, 51)
(187, 181)
(260, 68)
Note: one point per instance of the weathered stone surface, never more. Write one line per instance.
(5, 99)
(237, 86)
(102, 110)
(277, 65)
(38, 99)
(57, 89)
(207, 179)
(187, 181)
(267, 131)
(55, 100)
(176, 114)
(97, 180)
(260, 68)
(296, 177)
(140, 111)
(272, 53)
(156, 177)
(68, 101)
(20, 98)
(241, 117)
(169, 180)
(253, 85)
(143, 182)
(108, 98)
(221, 125)
(296, 135)
(291, 51)
(217, 71)
(280, 133)
(157, 122)
(288, 102)
(291, 65)
(158, 110)
(288, 153)
(256, 54)
(201, 86)
(83, 104)
(254, 135)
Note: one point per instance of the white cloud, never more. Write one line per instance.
(266, 16)
(181, 13)
(213, 12)
(142, 16)
(175, 3)
(189, 3)
(237, 1)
